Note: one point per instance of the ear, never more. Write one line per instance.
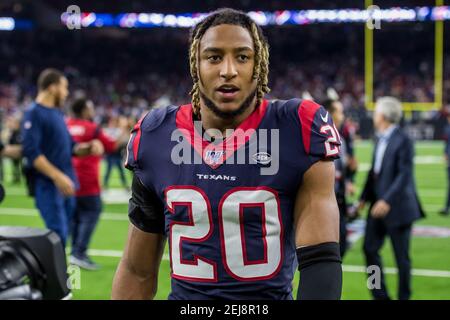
(52, 88)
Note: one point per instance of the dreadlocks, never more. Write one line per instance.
(233, 17)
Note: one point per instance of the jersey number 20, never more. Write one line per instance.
(333, 141)
(232, 238)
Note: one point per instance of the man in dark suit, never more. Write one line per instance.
(446, 210)
(390, 190)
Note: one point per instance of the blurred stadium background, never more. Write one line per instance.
(130, 56)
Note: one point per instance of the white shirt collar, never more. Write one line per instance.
(386, 134)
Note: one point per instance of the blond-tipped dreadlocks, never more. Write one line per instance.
(233, 17)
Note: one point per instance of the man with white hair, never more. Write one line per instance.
(390, 190)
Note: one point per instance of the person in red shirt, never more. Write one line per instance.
(82, 128)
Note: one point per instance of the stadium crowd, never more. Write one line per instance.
(133, 71)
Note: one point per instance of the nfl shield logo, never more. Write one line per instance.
(213, 157)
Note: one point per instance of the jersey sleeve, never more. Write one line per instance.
(320, 137)
(142, 131)
(132, 157)
(32, 136)
(145, 210)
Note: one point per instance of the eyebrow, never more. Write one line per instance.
(216, 50)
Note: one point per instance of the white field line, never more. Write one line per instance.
(35, 213)
(346, 268)
(415, 272)
(122, 217)
(418, 160)
(109, 216)
(418, 144)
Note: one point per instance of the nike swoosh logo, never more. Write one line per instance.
(324, 119)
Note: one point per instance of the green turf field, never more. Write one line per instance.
(430, 256)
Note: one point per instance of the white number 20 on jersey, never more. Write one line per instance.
(333, 141)
(232, 239)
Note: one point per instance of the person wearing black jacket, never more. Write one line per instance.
(446, 210)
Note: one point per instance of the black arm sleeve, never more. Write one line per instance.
(320, 272)
(145, 210)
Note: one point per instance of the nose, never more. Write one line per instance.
(228, 69)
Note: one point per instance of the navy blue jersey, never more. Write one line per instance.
(229, 206)
(45, 133)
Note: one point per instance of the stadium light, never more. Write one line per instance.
(7, 24)
(283, 17)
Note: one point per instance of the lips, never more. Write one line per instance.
(228, 91)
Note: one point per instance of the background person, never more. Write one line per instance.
(390, 189)
(48, 149)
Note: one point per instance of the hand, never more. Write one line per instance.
(380, 209)
(352, 164)
(352, 212)
(97, 148)
(350, 188)
(12, 151)
(360, 205)
(64, 184)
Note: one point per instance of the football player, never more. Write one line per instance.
(344, 168)
(235, 227)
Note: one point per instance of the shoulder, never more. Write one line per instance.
(146, 129)
(402, 140)
(32, 117)
(31, 110)
(401, 135)
(155, 118)
(285, 106)
(72, 121)
(309, 120)
(302, 110)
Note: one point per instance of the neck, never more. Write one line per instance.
(211, 121)
(384, 126)
(45, 99)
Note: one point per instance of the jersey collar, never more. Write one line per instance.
(185, 123)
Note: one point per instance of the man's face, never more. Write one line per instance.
(89, 111)
(226, 62)
(378, 119)
(338, 113)
(60, 91)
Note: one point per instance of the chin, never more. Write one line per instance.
(228, 106)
